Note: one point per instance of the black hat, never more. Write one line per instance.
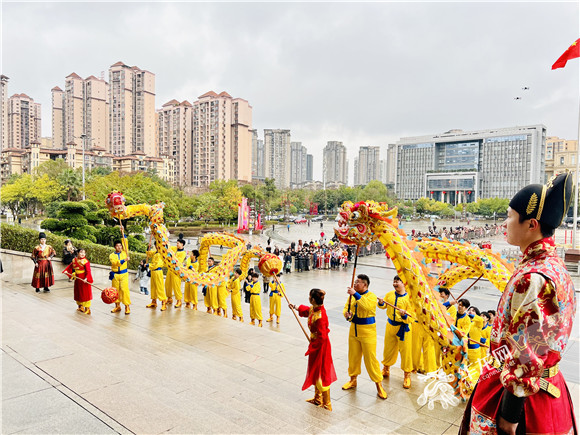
(180, 239)
(41, 236)
(546, 203)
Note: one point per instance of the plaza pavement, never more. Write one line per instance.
(184, 371)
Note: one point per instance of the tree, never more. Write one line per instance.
(52, 168)
(71, 182)
(374, 191)
(16, 195)
(45, 190)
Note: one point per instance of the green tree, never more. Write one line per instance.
(72, 183)
(52, 168)
(16, 195)
(45, 190)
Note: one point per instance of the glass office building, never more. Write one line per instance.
(462, 166)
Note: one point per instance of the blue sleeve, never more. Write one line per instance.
(122, 261)
(357, 295)
(447, 304)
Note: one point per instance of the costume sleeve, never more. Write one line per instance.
(88, 275)
(114, 259)
(383, 306)
(529, 334)
(68, 270)
(52, 252)
(366, 302)
(303, 310)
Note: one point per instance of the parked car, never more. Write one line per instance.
(300, 221)
(317, 219)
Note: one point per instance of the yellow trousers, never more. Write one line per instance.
(210, 299)
(121, 283)
(237, 305)
(362, 343)
(256, 307)
(423, 345)
(275, 305)
(84, 304)
(190, 293)
(157, 286)
(475, 363)
(173, 286)
(394, 346)
(222, 296)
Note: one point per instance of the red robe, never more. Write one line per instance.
(530, 334)
(319, 353)
(43, 275)
(82, 268)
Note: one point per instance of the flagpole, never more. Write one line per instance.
(574, 230)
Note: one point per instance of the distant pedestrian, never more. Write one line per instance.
(288, 226)
(143, 275)
(69, 252)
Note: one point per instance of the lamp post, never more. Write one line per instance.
(84, 138)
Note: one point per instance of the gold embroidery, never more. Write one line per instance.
(532, 204)
(542, 199)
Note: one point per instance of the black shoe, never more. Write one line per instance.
(46, 290)
(37, 290)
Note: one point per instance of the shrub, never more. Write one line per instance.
(17, 238)
(90, 205)
(52, 209)
(94, 218)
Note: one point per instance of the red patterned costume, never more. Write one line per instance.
(529, 335)
(43, 275)
(82, 269)
(320, 370)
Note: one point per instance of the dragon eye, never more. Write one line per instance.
(355, 215)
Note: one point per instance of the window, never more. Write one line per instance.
(561, 160)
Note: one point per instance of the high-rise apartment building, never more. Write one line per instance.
(298, 154)
(391, 164)
(277, 156)
(309, 167)
(461, 166)
(4, 110)
(335, 166)
(561, 155)
(23, 123)
(257, 157)
(81, 109)
(367, 166)
(222, 139)
(174, 138)
(132, 110)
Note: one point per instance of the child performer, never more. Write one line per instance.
(81, 268)
(320, 372)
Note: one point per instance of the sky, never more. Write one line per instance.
(365, 74)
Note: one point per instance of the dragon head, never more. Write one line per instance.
(358, 223)
(116, 203)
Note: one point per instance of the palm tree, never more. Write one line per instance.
(71, 181)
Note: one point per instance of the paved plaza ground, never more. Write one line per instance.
(184, 371)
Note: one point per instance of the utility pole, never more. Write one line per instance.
(84, 139)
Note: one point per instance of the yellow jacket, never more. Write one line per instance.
(156, 261)
(118, 261)
(194, 265)
(274, 287)
(400, 301)
(463, 322)
(234, 286)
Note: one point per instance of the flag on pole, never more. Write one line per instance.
(572, 53)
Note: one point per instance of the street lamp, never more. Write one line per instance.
(84, 138)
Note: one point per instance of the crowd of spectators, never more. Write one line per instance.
(459, 233)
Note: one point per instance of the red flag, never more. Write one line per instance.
(572, 53)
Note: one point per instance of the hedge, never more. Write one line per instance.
(17, 238)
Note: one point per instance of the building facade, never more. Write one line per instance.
(367, 166)
(459, 166)
(222, 139)
(132, 110)
(277, 156)
(174, 138)
(335, 167)
(561, 155)
(309, 167)
(81, 110)
(23, 123)
(257, 157)
(298, 154)
(4, 110)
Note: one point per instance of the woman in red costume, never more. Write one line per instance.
(42, 254)
(83, 294)
(521, 389)
(320, 372)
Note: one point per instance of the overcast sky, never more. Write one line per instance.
(361, 73)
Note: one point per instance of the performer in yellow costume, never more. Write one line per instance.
(485, 333)
(172, 281)
(120, 277)
(444, 294)
(210, 298)
(222, 297)
(473, 346)
(423, 350)
(234, 289)
(157, 286)
(397, 337)
(362, 337)
(190, 293)
(255, 301)
(276, 293)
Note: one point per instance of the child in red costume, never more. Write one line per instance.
(83, 294)
(320, 372)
